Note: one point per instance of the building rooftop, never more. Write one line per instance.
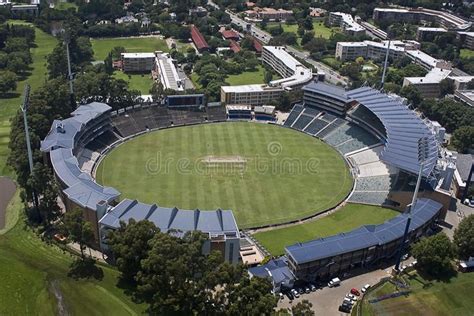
(349, 22)
(333, 91)
(403, 129)
(301, 74)
(198, 38)
(167, 72)
(247, 88)
(365, 236)
(166, 219)
(137, 55)
(434, 76)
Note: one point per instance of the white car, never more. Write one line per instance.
(365, 288)
(295, 293)
(351, 297)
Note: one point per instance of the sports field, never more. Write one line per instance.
(347, 218)
(103, 46)
(448, 297)
(264, 173)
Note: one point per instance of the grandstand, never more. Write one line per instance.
(141, 119)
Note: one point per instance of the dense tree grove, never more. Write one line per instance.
(15, 56)
(434, 255)
(173, 275)
(464, 238)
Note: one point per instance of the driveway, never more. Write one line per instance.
(327, 300)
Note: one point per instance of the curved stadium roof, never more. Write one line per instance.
(403, 128)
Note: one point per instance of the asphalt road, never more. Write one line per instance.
(331, 75)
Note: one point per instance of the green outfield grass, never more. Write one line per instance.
(141, 82)
(45, 43)
(103, 46)
(287, 175)
(349, 217)
(453, 297)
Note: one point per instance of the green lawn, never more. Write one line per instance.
(320, 30)
(32, 272)
(349, 217)
(8, 107)
(286, 175)
(141, 82)
(103, 46)
(466, 53)
(64, 5)
(427, 297)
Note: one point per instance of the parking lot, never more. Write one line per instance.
(327, 300)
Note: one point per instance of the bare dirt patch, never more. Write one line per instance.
(210, 160)
(7, 190)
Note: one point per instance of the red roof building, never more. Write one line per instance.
(234, 46)
(198, 39)
(257, 46)
(230, 35)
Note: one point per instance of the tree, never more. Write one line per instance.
(16, 65)
(308, 23)
(434, 254)
(463, 138)
(250, 297)
(268, 76)
(412, 94)
(303, 308)
(78, 230)
(464, 237)
(157, 91)
(8, 81)
(307, 37)
(130, 245)
(446, 86)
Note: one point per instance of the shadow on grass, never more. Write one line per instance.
(130, 289)
(85, 269)
(445, 275)
(9, 95)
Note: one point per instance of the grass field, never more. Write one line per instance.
(141, 82)
(347, 218)
(286, 174)
(427, 297)
(319, 29)
(466, 53)
(103, 46)
(44, 45)
(33, 273)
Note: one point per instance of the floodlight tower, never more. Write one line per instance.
(67, 41)
(385, 64)
(24, 109)
(423, 152)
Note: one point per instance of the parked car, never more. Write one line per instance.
(301, 290)
(355, 291)
(352, 297)
(334, 282)
(348, 301)
(307, 290)
(344, 308)
(365, 288)
(289, 295)
(281, 296)
(295, 293)
(313, 288)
